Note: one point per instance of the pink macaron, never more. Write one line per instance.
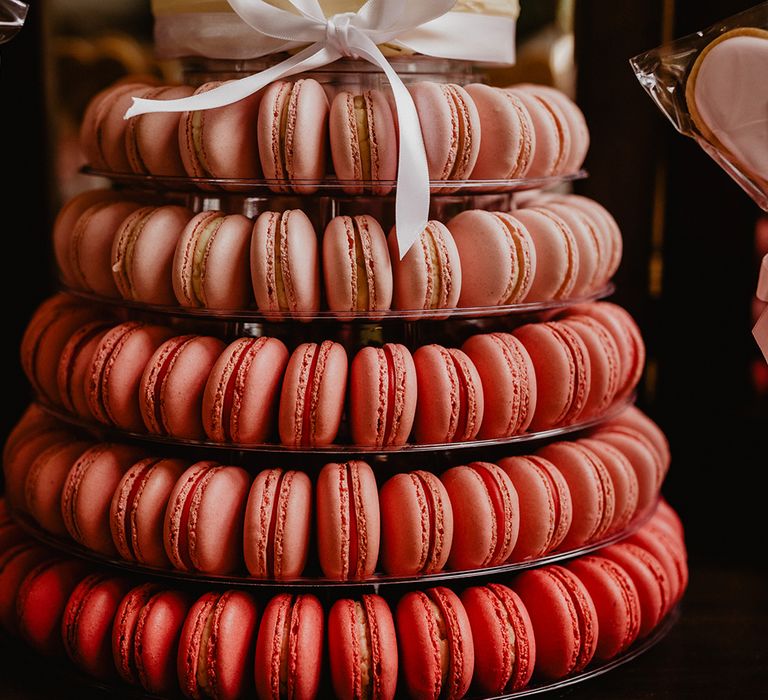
(348, 520)
(486, 515)
(509, 383)
(561, 365)
(546, 508)
(173, 382)
(203, 527)
(241, 394)
(505, 647)
(591, 489)
(284, 262)
(87, 494)
(616, 602)
(416, 524)
(137, 509)
(437, 653)
(633, 417)
(145, 637)
(277, 524)
(363, 140)
(86, 625)
(450, 125)
(429, 276)
(356, 265)
(382, 396)
(452, 409)
(112, 385)
(216, 646)
(362, 648)
(550, 149)
(142, 253)
(563, 617)
(210, 264)
(508, 137)
(289, 649)
(292, 133)
(670, 555)
(312, 395)
(498, 258)
(221, 143)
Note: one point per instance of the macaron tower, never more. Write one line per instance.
(384, 472)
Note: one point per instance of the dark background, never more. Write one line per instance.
(688, 276)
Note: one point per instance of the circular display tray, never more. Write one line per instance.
(326, 186)
(317, 584)
(343, 452)
(376, 317)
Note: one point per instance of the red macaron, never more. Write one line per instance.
(15, 563)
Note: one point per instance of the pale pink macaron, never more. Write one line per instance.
(173, 382)
(498, 258)
(102, 132)
(292, 134)
(44, 483)
(450, 125)
(46, 335)
(65, 222)
(87, 494)
(112, 385)
(563, 373)
(382, 396)
(203, 527)
(356, 265)
(221, 143)
(363, 140)
(75, 366)
(142, 253)
(241, 394)
(137, 509)
(277, 524)
(90, 246)
(546, 508)
(509, 383)
(284, 262)
(152, 140)
(486, 515)
(312, 396)
(591, 488)
(508, 137)
(557, 255)
(429, 276)
(450, 403)
(210, 265)
(416, 524)
(550, 150)
(348, 520)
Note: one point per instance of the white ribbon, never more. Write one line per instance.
(424, 26)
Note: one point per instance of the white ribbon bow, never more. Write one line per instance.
(425, 26)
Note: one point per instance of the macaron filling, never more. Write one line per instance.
(103, 364)
(126, 244)
(356, 558)
(132, 504)
(362, 624)
(200, 479)
(389, 419)
(461, 403)
(203, 674)
(203, 240)
(450, 644)
(457, 166)
(520, 260)
(70, 357)
(435, 258)
(309, 393)
(517, 650)
(501, 535)
(280, 496)
(433, 525)
(361, 106)
(73, 613)
(363, 291)
(158, 381)
(582, 651)
(556, 532)
(230, 388)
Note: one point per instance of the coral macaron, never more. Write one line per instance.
(416, 524)
(383, 391)
(203, 528)
(437, 654)
(241, 393)
(289, 648)
(362, 649)
(173, 382)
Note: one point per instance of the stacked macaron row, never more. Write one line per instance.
(558, 248)
(141, 378)
(215, 519)
(283, 133)
(543, 625)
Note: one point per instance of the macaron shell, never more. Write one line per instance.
(348, 520)
(75, 366)
(547, 154)
(661, 546)
(633, 417)
(33, 421)
(277, 524)
(562, 127)
(241, 395)
(112, 126)
(15, 565)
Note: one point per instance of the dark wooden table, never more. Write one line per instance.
(718, 649)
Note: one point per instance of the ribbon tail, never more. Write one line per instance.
(760, 333)
(412, 197)
(314, 56)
